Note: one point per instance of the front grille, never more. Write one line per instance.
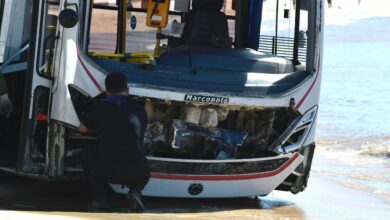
(222, 168)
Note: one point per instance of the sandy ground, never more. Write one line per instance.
(323, 199)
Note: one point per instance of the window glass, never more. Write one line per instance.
(143, 38)
(54, 8)
(1, 12)
(286, 18)
(229, 11)
(138, 3)
(139, 37)
(103, 28)
(283, 28)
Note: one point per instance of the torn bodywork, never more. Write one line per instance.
(195, 132)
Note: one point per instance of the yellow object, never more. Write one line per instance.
(157, 49)
(158, 11)
(138, 57)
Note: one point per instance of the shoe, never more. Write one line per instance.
(133, 198)
(94, 206)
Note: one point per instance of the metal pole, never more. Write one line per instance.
(276, 27)
(121, 27)
(296, 34)
(157, 49)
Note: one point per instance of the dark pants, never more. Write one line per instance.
(99, 180)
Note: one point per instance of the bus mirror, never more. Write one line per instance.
(68, 18)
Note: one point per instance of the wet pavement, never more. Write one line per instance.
(70, 199)
(323, 199)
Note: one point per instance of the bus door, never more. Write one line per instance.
(32, 151)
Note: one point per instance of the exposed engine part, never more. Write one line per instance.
(154, 138)
(222, 114)
(213, 131)
(192, 114)
(158, 112)
(177, 130)
(198, 141)
(192, 132)
(260, 128)
(206, 117)
(209, 118)
(154, 132)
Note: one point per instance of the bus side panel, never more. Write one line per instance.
(73, 68)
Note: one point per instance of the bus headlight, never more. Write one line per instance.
(294, 136)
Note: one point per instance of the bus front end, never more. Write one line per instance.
(231, 89)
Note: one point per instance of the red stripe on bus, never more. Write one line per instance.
(90, 75)
(225, 177)
(309, 90)
(315, 80)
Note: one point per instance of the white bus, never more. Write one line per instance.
(231, 88)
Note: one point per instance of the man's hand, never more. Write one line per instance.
(6, 106)
(83, 129)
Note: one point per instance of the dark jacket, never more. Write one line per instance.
(120, 123)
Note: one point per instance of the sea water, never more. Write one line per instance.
(354, 118)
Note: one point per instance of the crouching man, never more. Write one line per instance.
(119, 158)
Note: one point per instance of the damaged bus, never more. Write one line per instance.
(231, 88)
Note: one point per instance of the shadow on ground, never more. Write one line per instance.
(20, 194)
